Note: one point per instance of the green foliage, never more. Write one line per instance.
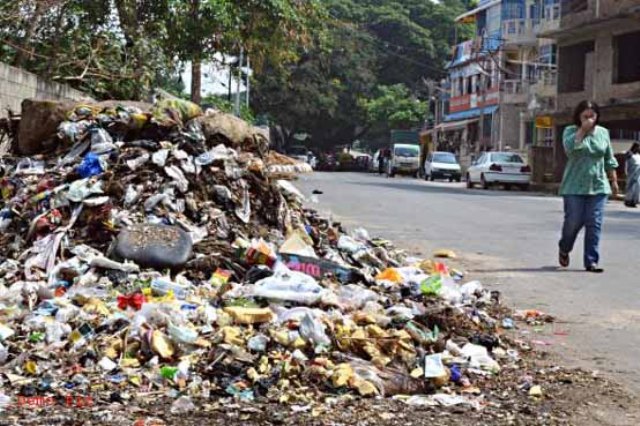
(395, 108)
(364, 55)
(124, 48)
(225, 105)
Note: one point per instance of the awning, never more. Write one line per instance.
(456, 124)
(480, 8)
(470, 113)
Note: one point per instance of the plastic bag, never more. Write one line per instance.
(132, 195)
(178, 177)
(352, 297)
(90, 166)
(295, 314)
(101, 142)
(243, 210)
(219, 153)
(433, 366)
(183, 405)
(479, 358)
(182, 334)
(4, 354)
(291, 286)
(133, 164)
(361, 234)
(83, 188)
(313, 330)
(160, 157)
(27, 166)
(162, 287)
(291, 191)
(258, 343)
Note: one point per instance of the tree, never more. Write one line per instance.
(271, 29)
(394, 107)
(108, 49)
(364, 44)
(319, 93)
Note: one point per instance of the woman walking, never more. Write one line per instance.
(632, 169)
(585, 188)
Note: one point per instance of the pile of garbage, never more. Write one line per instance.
(152, 253)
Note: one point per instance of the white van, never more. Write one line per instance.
(405, 159)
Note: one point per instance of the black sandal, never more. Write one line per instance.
(594, 269)
(563, 259)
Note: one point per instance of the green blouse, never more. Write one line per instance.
(588, 163)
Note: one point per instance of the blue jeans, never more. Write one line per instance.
(583, 211)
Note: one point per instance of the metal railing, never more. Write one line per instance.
(514, 87)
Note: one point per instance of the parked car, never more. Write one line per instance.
(373, 164)
(302, 153)
(499, 168)
(442, 165)
(405, 159)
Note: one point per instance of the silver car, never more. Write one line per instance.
(505, 168)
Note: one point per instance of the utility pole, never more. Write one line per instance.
(240, 61)
(483, 99)
(248, 79)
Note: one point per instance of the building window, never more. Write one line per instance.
(548, 54)
(626, 61)
(572, 66)
(469, 85)
(574, 6)
(513, 9)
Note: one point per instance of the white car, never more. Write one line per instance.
(505, 168)
(442, 165)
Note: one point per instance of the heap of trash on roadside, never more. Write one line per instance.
(166, 252)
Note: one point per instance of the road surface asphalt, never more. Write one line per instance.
(509, 241)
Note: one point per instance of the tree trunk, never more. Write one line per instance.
(196, 80)
(196, 60)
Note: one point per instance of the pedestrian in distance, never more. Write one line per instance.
(585, 187)
(632, 170)
(381, 159)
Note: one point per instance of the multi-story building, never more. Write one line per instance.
(537, 125)
(489, 80)
(598, 59)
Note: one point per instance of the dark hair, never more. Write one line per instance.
(582, 106)
(635, 148)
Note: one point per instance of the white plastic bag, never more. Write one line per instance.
(290, 286)
(313, 330)
(352, 297)
(479, 358)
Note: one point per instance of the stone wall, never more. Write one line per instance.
(17, 85)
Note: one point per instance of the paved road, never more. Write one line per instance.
(509, 240)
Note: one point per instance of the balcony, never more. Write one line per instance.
(547, 84)
(514, 91)
(550, 20)
(518, 32)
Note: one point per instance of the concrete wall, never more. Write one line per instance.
(17, 84)
(510, 126)
(599, 84)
